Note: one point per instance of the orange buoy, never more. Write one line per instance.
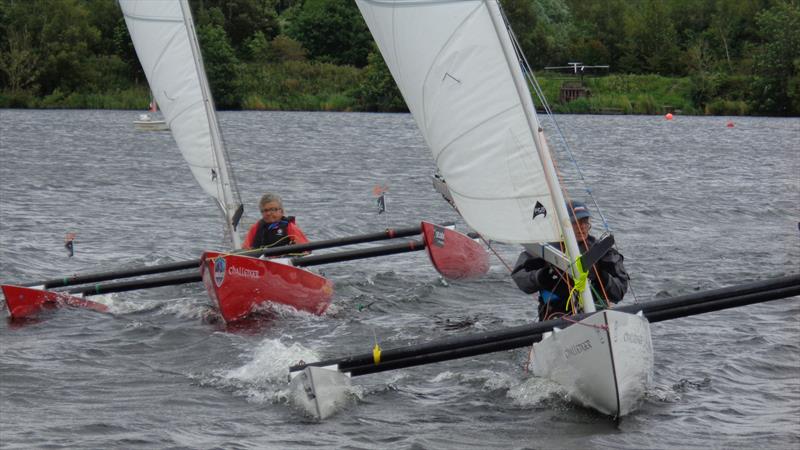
(730, 124)
(668, 116)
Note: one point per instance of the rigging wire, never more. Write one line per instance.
(534, 83)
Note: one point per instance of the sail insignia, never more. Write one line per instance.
(539, 210)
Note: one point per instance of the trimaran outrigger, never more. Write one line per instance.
(238, 282)
(460, 72)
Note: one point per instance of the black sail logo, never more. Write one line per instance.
(539, 210)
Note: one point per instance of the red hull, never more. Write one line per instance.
(239, 283)
(26, 302)
(456, 256)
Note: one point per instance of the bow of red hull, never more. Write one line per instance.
(240, 283)
(454, 255)
(27, 302)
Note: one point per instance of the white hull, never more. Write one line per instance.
(150, 125)
(605, 361)
(319, 391)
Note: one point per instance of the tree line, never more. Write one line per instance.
(730, 56)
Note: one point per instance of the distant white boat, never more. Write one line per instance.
(146, 122)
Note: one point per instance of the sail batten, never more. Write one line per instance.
(165, 41)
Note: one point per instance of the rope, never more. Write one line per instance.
(497, 255)
(572, 321)
(278, 243)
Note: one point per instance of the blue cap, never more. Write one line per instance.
(577, 210)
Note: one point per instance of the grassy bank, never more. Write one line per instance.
(623, 94)
(135, 97)
(307, 86)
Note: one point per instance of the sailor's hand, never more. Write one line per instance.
(549, 277)
(534, 264)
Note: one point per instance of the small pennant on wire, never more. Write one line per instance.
(381, 204)
(69, 244)
(380, 192)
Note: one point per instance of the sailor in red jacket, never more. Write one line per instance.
(274, 229)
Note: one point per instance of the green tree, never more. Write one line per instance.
(543, 28)
(651, 40)
(105, 16)
(378, 91)
(242, 19)
(62, 39)
(221, 64)
(280, 49)
(332, 31)
(777, 60)
(732, 29)
(599, 36)
(18, 60)
(123, 47)
(284, 48)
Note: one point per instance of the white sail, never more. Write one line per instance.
(451, 68)
(455, 66)
(164, 37)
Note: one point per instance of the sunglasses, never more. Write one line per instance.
(271, 210)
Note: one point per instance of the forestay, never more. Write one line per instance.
(164, 37)
(450, 64)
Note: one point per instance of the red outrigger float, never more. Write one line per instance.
(26, 302)
(239, 284)
(455, 256)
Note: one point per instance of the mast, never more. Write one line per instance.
(541, 145)
(228, 201)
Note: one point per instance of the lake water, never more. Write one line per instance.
(694, 205)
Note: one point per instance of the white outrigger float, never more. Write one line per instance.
(461, 75)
